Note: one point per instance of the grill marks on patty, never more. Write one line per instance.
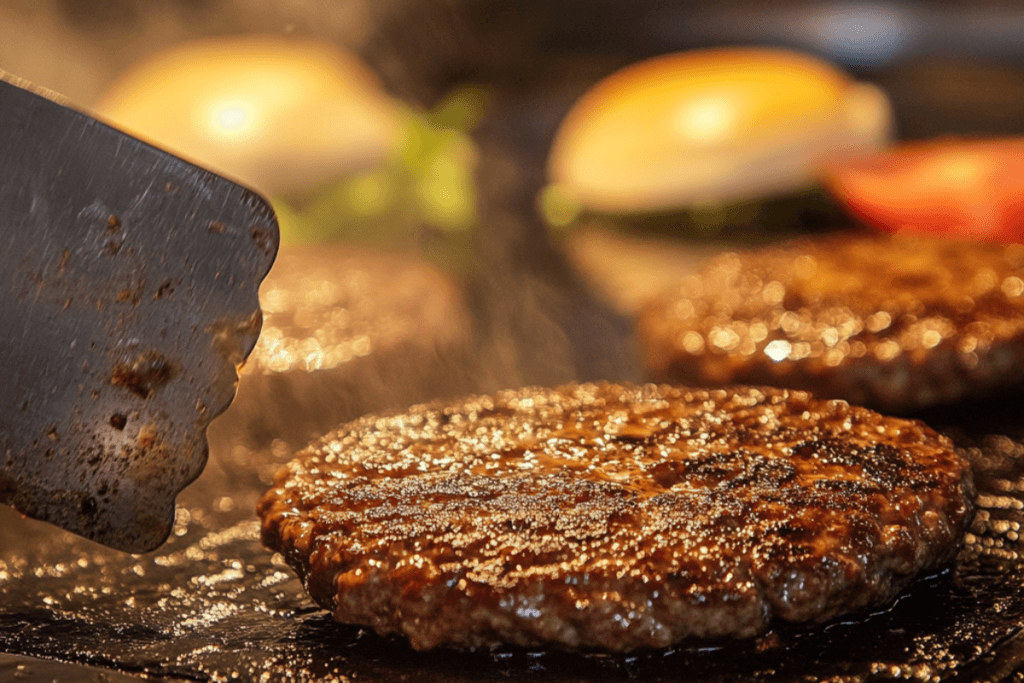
(615, 517)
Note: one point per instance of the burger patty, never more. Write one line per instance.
(615, 517)
(890, 322)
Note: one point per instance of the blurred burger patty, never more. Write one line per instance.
(891, 322)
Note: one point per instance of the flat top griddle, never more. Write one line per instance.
(213, 605)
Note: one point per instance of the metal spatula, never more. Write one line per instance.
(128, 298)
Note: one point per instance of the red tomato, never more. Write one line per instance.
(956, 188)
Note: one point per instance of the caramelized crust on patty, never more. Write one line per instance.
(615, 517)
(890, 322)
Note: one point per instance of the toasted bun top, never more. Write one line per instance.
(270, 111)
(710, 126)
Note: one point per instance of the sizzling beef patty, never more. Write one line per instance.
(615, 517)
(894, 323)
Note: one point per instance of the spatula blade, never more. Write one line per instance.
(128, 298)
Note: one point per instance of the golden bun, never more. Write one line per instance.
(712, 126)
(275, 113)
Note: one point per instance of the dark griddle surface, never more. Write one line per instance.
(213, 605)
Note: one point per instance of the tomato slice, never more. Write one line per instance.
(955, 188)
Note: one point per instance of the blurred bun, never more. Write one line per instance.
(710, 127)
(272, 112)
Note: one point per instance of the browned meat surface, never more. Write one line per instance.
(615, 517)
(894, 323)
